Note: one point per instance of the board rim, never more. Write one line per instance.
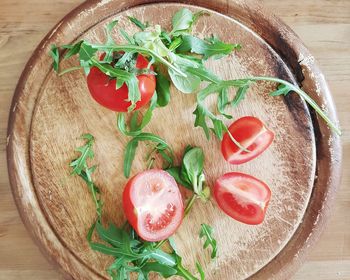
(328, 158)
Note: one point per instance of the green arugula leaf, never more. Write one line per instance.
(163, 90)
(86, 152)
(215, 48)
(240, 95)
(132, 145)
(223, 102)
(164, 270)
(181, 271)
(138, 23)
(126, 36)
(73, 50)
(207, 232)
(110, 26)
(135, 128)
(86, 52)
(54, 53)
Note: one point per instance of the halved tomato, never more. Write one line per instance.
(153, 204)
(252, 134)
(103, 89)
(242, 197)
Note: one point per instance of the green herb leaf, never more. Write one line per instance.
(175, 172)
(207, 232)
(86, 152)
(110, 26)
(132, 145)
(164, 270)
(54, 53)
(215, 48)
(138, 23)
(181, 271)
(240, 95)
(192, 168)
(73, 50)
(163, 90)
(182, 21)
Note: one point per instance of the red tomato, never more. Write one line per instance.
(251, 133)
(103, 90)
(153, 205)
(242, 197)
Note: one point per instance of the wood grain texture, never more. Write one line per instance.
(34, 269)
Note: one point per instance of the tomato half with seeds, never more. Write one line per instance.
(242, 197)
(103, 89)
(153, 204)
(252, 134)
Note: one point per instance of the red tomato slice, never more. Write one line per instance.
(242, 197)
(103, 90)
(251, 133)
(153, 204)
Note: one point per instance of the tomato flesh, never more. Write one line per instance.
(153, 204)
(252, 134)
(242, 197)
(103, 89)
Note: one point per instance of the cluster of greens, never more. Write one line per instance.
(132, 254)
(182, 56)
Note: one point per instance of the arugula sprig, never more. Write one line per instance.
(207, 232)
(161, 147)
(131, 254)
(81, 168)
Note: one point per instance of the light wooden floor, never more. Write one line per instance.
(324, 25)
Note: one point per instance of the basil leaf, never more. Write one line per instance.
(192, 167)
(163, 90)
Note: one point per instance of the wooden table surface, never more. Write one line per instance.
(324, 25)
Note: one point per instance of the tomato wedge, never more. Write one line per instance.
(103, 89)
(242, 197)
(252, 134)
(153, 204)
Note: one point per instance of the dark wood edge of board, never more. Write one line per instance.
(290, 48)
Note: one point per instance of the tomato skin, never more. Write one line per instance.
(103, 90)
(153, 204)
(252, 134)
(242, 197)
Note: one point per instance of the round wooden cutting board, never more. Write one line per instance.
(49, 113)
